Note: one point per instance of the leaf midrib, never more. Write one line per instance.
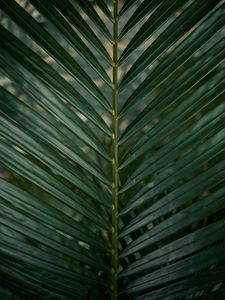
(115, 153)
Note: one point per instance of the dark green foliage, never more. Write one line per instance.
(113, 145)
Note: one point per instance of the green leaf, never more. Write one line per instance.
(26, 168)
(47, 74)
(47, 236)
(179, 270)
(104, 8)
(179, 56)
(144, 9)
(195, 284)
(15, 136)
(75, 18)
(178, 249)
(180, 26)
(92, 14)
(127, 5)
(53, 48)
(57, 19)
(28, 118)
(48, 214)
(112, 149)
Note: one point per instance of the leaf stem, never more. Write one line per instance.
(115, 180)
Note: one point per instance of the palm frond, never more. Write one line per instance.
(113, 137)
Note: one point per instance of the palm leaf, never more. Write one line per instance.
(113, 137)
